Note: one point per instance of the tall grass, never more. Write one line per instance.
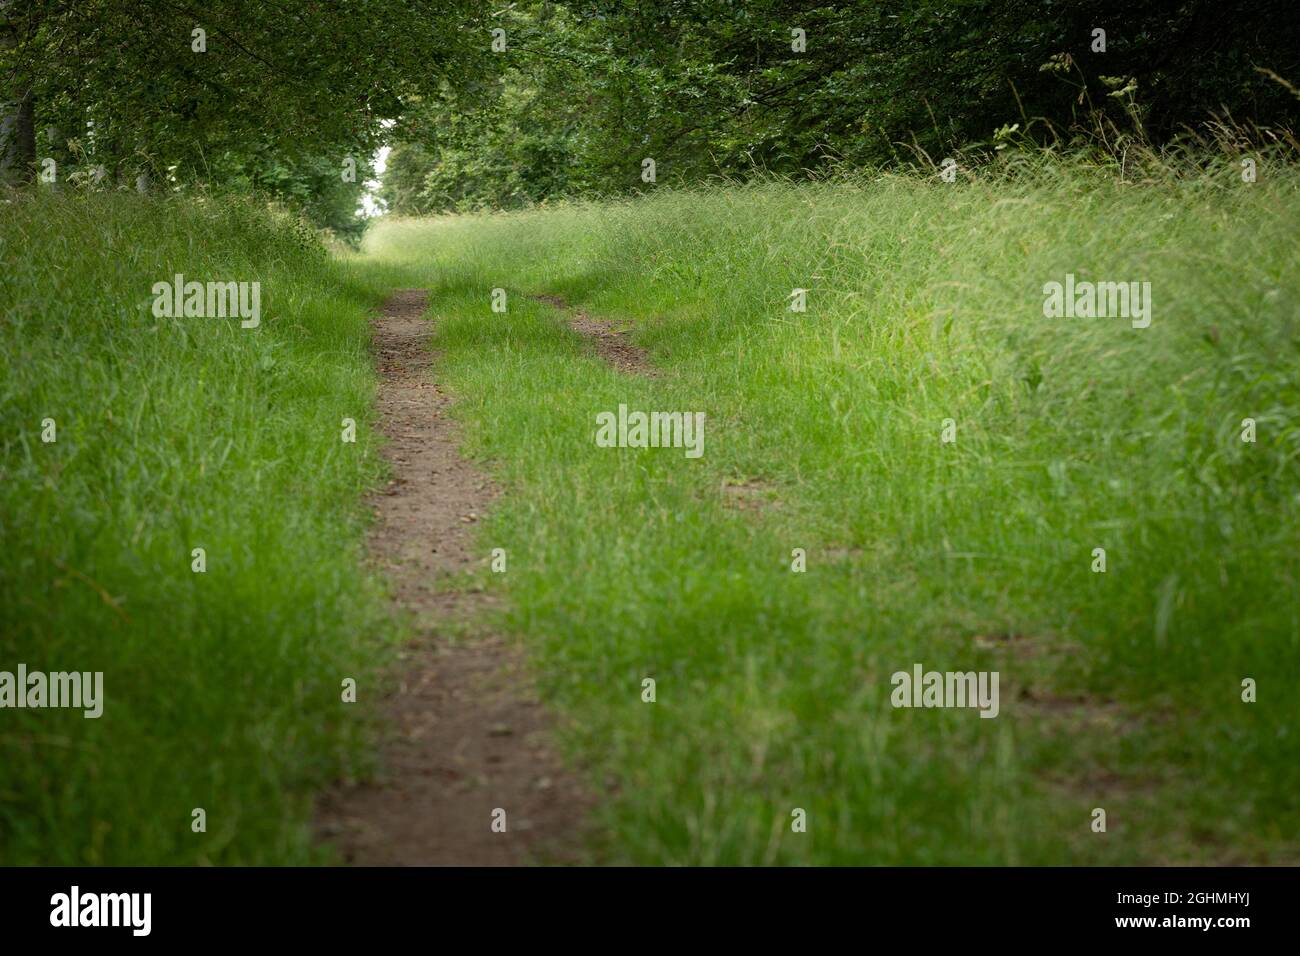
(1121, 690)
(223, 688)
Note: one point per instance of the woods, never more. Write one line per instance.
(231, 95)
(587, 90)
(505, 107)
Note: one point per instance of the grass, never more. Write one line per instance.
(1120, 690)
(223, 689)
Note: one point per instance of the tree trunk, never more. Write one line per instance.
(17, 117)
(18, 140)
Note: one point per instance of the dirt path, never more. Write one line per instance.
(469, 735)
(612, 343)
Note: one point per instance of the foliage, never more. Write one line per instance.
(586, 90)
(279, 100)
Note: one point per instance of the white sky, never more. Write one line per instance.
(371, 205)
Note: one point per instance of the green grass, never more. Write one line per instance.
(1119, 690)
(223, 689)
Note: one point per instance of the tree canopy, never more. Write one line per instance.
(516, 103)
(279, 94)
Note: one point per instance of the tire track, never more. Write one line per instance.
(611, 342)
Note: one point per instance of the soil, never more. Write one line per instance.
(468, 733)
(611, 342)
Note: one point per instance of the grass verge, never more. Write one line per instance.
(222, 689)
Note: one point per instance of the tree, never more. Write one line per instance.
(17, 105)
(228, 91)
